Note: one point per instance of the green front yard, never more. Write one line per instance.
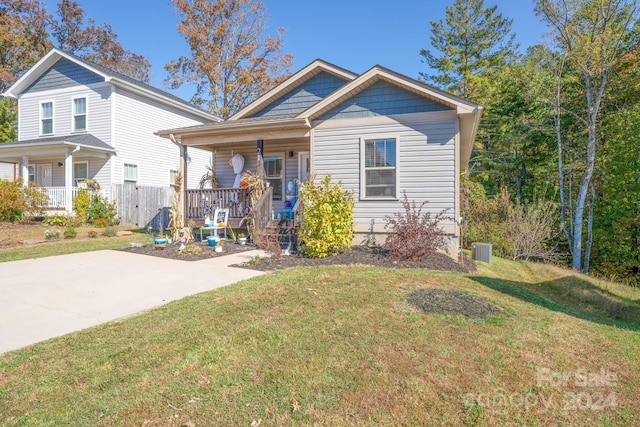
(342, 346)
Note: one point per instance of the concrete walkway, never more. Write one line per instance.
(48, 297)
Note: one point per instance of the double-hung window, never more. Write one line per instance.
(130, 173)
(79, 114)
(379, 168)
(274, 174)
(46, 118)
(80, 172)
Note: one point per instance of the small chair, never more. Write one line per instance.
(219, 216)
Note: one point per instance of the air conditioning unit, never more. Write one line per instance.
(481, 252)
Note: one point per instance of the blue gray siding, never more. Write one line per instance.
(62, 74)
(383, 99)
(303, 96)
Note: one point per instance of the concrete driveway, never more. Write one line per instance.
(48, 297)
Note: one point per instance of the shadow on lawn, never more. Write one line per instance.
(573, 296)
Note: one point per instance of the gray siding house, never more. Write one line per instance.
(79, 121)
(381, 133)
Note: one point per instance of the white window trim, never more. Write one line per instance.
(53, 114)
(73, 171)
(363, 176)
(172, 174)
(130, 181)
(35, 172)
(73, 115)
(283, 173)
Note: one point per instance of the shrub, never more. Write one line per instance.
(101, 211)
(414, 234)
(92, 234)
(81, 203)
(485, 220)
(534, 232)
(18, 202)
(57, 220)
(327, 225)
(109, 232)
(70, 233)
(51, 235)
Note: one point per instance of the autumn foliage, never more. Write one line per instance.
(231, 62)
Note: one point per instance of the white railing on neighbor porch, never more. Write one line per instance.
(57, 196)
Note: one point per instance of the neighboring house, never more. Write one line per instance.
(78, 120)
(381, 133)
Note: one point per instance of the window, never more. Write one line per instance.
(80, 172)
(79, 114)
(130, 173)
(379, 168)
(32, 173)
(46, 118)
(172, 179)
(273, 173)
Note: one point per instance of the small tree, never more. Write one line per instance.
(327, 226)
(414, 234)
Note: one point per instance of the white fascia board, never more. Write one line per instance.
(42, 65)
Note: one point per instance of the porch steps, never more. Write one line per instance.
(280, 232)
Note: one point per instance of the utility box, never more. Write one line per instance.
(481, 252)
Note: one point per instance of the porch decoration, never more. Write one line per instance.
(256, 186)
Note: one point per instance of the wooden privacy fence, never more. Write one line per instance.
(143, 206)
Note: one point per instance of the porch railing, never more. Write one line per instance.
(200, 203)
(57, 196)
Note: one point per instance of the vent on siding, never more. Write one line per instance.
(481, 252)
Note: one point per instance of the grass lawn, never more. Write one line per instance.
(12, 235)
(342, 346)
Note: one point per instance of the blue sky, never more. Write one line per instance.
(353, 34)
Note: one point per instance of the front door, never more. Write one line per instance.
(304, 166)
(44, 175)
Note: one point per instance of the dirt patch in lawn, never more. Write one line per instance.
(448, 301)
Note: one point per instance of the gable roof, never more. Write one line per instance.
(468, 112)
(297, 79)
(110, 76)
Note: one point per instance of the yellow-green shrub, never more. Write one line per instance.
(327, 226)
(18, 202)
(81, 203)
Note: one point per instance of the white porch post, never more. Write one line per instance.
(25, 170)
(68, 181)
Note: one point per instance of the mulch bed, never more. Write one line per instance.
(173, 251)
(448, 301)
(356, 256)
(363, 256)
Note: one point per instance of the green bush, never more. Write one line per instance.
(18, 203)
(56, 219)
(109, 232)
(327, 226)
(70, 233)
(51, 235)
(101, 212)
